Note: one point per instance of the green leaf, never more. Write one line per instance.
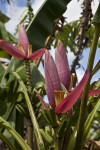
(13, 65)
(96, 19)
(6, 112)
(62, 128)
(97, 84)
(37, 80)
(3, 32)
(12, 38)
(7, 142)
(8, 84)
(69, 35)
(47, 135)
(90, 119)
(72, 140)
(41, 25)
(18, 138)
(3, 54)
(4, 35)
(3, 18)
(50, 117)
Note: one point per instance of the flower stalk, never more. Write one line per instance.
(83, 107)
(56, 142)
(29, 88)
(28, 76)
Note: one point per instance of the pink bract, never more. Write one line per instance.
(23, 42)
(62, 65)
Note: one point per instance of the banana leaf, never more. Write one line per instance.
(41, 25)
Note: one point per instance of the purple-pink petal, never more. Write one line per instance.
(42, 101)
(62, 65)
(94, 92)
(22, 39)
(36, 54)
(12, 50)
(52, 80)
(70, 100)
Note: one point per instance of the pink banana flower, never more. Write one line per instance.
(53, 87)
(54, 74)
(24, 49)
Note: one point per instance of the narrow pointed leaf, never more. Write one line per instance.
(90, 119)
(96, 68)
(42, 101)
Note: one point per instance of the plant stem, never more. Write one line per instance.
(30, 133)
(29, 88)
(28, 76)
(83, 107)
(38, 136)
(19, 127)
(57, 140)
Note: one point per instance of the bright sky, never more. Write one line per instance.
(73, 12)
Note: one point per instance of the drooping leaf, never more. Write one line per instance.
(18, 138)
(3, 18)
(7, 142)
(41, 25)
(31, 112)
